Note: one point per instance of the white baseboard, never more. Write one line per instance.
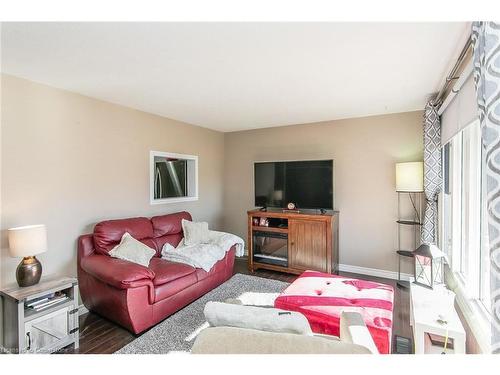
(369, 271)
(82, 310)
(374, 272)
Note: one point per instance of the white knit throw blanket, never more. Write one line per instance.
(204, 255)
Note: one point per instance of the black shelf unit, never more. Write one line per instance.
(416, 201)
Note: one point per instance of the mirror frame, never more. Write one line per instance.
(192, 177)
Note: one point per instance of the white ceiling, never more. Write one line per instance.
(235, 76)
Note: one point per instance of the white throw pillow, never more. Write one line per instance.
(132, 250)
(195, 233)
(220, 314)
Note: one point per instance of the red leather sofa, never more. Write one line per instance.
(134, 296)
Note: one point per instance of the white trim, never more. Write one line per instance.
(474, 313)
(82, 310)
(367, 271)
(173, 200)
(375, 272)
(192, 196)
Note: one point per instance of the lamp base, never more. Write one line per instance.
(28, 272)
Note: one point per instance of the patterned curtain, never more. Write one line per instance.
(486, 43)
(432, 171)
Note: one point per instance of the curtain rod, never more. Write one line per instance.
(464, 75)
(452, 75)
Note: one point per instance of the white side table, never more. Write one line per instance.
(426, 307)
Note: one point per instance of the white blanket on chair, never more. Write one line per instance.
(204, 255)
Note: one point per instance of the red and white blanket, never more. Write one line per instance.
(322, 297)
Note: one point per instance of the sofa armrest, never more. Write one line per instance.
(353, 330)
(232, 340)
(117, 272)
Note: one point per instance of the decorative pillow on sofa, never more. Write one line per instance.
(195, 233)
(132, 250)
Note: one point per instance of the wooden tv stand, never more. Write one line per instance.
(298, 241)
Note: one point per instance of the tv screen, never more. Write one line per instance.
(308, 184)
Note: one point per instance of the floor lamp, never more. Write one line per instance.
(410, 184)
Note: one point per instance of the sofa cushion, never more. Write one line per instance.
(116, 272)
(218, 267)
(166, 272)
(172, 239)
(175, 286)
(169, 224)
(108, 234)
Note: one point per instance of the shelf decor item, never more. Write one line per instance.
(429, 265)
(410, 183)
(26, 242)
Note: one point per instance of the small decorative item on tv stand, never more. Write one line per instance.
(291, 207)
(263, 222)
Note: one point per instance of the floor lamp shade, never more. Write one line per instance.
(27, 241)
(410, 177)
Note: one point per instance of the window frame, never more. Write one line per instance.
(469, 285)
(192, 177)
(466, 185)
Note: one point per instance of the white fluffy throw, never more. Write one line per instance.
(204, 255)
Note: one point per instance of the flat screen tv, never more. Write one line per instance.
(307, 184)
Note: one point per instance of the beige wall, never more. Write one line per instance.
(69, 161)
(365, 151)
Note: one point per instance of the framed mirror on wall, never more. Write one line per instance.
(173, 177)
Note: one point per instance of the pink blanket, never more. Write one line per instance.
(322, 297)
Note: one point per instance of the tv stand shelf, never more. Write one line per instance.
(261, 228)
(309, 241)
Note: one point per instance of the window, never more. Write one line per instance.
(464, 224)
(173, 177)
(484, 289)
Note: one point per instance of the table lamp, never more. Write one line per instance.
(26, 242)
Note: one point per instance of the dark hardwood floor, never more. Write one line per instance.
(101, 336)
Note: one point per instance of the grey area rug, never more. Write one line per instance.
(178, 332)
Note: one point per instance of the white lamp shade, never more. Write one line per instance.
(27, 241)
(410, 177)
